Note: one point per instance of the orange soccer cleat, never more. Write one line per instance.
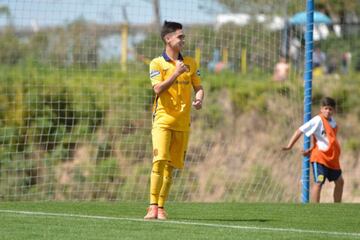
(162, 215)
(152, 212)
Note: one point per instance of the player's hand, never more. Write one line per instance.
(197, 103)
(306, 153)
(286, 148)
(180, 67)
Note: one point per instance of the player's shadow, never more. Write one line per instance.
(260, 220)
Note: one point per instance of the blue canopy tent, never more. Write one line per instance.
(300, 18)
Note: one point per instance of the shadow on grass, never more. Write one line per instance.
(224, 220)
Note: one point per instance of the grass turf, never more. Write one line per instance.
(101, 220)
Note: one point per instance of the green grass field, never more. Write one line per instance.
(100, 220)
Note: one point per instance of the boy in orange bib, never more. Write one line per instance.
(324, 155)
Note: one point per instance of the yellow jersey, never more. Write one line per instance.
(172, 107)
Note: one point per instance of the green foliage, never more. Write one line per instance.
(264, 181)
(53, 112)
(334, 7)
(252, 95)
(106, 179)
(334, 47)
(84, 46)
(229, 36)
(74, 45)
(352, 144)
(11, 50)
(262, 6)
(337, 7)
(152, 41)
(251, 191)
(212, 116)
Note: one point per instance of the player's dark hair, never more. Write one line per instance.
(328, 101)
(169, 27)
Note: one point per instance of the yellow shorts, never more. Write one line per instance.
(170, 145)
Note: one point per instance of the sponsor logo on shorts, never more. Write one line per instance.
(320, 178)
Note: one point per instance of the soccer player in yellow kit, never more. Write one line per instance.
(173, 79)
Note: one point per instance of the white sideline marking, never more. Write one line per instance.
(291, 230)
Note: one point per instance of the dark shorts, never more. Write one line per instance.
(321, 173)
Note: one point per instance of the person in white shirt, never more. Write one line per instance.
(325, 154)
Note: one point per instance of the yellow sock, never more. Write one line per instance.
(156, 181)
(167, 181)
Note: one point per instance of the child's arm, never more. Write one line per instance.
(293, 140)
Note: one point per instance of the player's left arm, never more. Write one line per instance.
(198, 89)
(199, 97)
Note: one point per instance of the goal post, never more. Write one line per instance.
(305, 178)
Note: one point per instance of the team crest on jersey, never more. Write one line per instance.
(154, 73)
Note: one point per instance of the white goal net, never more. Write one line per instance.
(76, 100)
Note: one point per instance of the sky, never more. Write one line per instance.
(35, 14)
(41, 13)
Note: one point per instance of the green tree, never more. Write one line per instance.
(11, 50)
(84, 44)
(337, 9)
(4, 10)
(261, 6)
(39, 47)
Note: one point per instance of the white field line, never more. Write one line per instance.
(212, 225)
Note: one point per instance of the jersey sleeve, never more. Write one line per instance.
(195, 77)
(155, 72)
(310, 127)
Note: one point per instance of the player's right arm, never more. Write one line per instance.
(162, 86)
(308, 128)
(293, 139)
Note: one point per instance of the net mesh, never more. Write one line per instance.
(76, 99)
